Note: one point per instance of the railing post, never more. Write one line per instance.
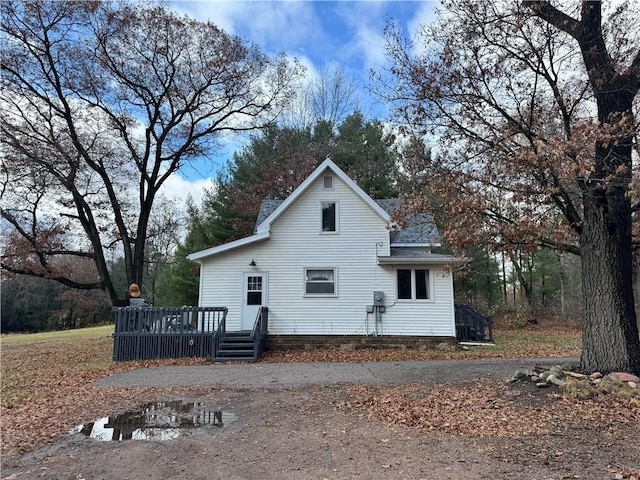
(265, 320)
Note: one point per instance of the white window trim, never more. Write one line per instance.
(413, 284)
(316, 295)
(337, 230)
(324, 184)
(265, 286)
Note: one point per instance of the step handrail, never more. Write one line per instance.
(218, 337)
(259, 332)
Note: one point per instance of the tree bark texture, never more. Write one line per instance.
(610, 332)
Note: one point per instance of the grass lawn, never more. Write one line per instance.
(68, 335)
(32, 365)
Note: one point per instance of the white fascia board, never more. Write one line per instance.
(265, 226)
(444, 260)
(198, 256)
(415, 245)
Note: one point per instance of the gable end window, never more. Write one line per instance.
(413, 284)
(320, 281)
(328, 182)
(330, 217)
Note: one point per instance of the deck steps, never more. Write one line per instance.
(237, 347)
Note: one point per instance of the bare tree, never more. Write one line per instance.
(533, 108)
(101, 103)
(330, 97)
(166, 229)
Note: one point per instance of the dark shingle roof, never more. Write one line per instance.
(267, 208)
(419, 228)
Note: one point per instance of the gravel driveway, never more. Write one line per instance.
(264, 375)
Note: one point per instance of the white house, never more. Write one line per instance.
(326, 264)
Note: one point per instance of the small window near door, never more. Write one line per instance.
(413, 284)
(329, 217)
(254, 290)
(320, 281)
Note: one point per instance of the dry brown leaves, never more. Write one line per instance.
(46, 389)
(488, 409)
(356, 355)
(477, 411)
(534, 341)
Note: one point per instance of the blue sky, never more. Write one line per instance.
(321, 34)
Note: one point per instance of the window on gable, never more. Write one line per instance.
(328, 182)
(320, 281)
(329, 216)
(413, 284)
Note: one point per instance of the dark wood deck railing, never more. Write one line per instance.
(144, 333)
(472, 326)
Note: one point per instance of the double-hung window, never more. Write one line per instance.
(329, 217)
(320, 281)
(413, 284)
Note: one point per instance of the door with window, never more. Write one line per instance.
(255, 296)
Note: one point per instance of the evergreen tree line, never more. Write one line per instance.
(272, 164)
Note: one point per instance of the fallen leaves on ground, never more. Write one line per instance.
(488, 409)
(477, 411)
(46, 385)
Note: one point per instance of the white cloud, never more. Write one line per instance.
(365, 21)
(221, 14)
(423, 16)
(271, 25)
(178, 188)
(371, 43)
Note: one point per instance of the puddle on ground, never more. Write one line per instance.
(155, 421)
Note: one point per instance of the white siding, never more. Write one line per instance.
(297, 242)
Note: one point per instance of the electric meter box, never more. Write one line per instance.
(378, 299)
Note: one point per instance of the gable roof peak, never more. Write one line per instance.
(265, 225)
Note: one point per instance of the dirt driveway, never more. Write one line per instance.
(308, 431)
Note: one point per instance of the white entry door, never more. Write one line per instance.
(255, 296)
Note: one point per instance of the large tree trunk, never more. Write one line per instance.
(636, 285)
(610, 333)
